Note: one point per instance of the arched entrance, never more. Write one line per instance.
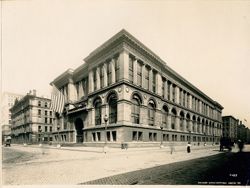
(79, 131)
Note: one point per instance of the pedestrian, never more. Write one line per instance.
(171, 148)
(189, 147)
(240, 145)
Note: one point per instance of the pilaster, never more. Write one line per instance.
(105, 75)
(177, 123)
(177, 97)
(98, 82)
(135, 71)
(169, 122)
(91, 82)
(112, 71)
(124, 66)
(150, 79)
(159, 84)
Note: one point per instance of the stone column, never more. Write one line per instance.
(105, 75)
(104, 112)
(190, 101)
(168, 122)
(98, 82)
(124, 65)
(200, 106)
(177, 123)
(171, 92)
(190, 126)
(72, 94)
(112, 71)
(181, 97)
(91, 82)
(184, 125)
(159, 84)
(150, 80)
(177, 95)
(135, 71)
(166, 90)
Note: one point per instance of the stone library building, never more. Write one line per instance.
(124, 93)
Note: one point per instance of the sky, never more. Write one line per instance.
(207, 42)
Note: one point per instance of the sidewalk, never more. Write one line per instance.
(76, 165)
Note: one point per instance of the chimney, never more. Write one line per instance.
(34, 92)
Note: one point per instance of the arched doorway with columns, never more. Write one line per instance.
(79, 130)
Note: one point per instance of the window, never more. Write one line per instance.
(146, 78)
(50, 113)
(102, 76)
(93, 137)
(98, 138)
(169, 84)
(151, 113)
(108, 136)
(140, 136)
(109, 73)
(39, 112)
(46, 128)
(134, 135)
(46, 104)
(131, 69)
(114, 136)
(117, 68)
(154, 82)
(139, 73)
(135, 110)
(112, 100)
(46, 113)
(98, 111)
(165, 137)
(39, 103)
(155, 136)
(50, 129)
(163, 86)
(45, 120)
(94, 79)
(150, 136)
(50, 121)
(137, 136)
(173, 93)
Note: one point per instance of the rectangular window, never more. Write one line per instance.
(114, 136)
(169, 84)
(94, 79)
(46, 104)
(173, 138)
(155, 136)
(39, 112)
(50, 129)
(150, 136)
(46, 128)
(117, 68)
(165, 137)
(50, 121)
(140, 136)
(93, 137)
(154, 82)
(39, 103)
(131, 69)
(45, 120)
(163, 86)
(98, 136)
(139, 73)
(102, 76)
(146, 78)
(46, 113)
(134, 135)
(50, 113)
(109, 73)
(108, 136)
(173, 93)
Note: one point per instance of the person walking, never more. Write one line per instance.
(188, 147)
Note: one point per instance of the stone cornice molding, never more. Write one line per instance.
(63, 78)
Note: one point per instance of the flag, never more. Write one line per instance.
(57, 100)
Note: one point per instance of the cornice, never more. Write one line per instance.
(63, 78)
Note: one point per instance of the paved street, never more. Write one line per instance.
(32, 165)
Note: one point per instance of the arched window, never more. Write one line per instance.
(135, 109)
(164, 116)
(112, 100)
(151, 113)
(98, 111)
(182, 120)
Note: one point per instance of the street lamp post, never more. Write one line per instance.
(189, 136)
(161, 146)
(58, 143)
(105, 133)
(25, 144)
(205, 138)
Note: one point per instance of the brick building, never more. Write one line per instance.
(229, 129)
(32, 119)
(145, 100)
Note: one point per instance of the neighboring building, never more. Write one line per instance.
(32, 119)
(229, 129)
(243, 133)
(146, 101)
(7, 101)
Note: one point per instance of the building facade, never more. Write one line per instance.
(243, 133)
(145, 100)
(230, 126)
(7, 101)
(32, 120)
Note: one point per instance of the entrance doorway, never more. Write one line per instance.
(79, 131)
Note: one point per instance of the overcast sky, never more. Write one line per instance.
(208, 43)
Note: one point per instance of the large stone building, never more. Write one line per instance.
(7, 101)
(32, 119)
(229, 129)
(145, 100)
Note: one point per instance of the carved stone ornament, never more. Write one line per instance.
(127, 89)
(145, 96)
(119, 90)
